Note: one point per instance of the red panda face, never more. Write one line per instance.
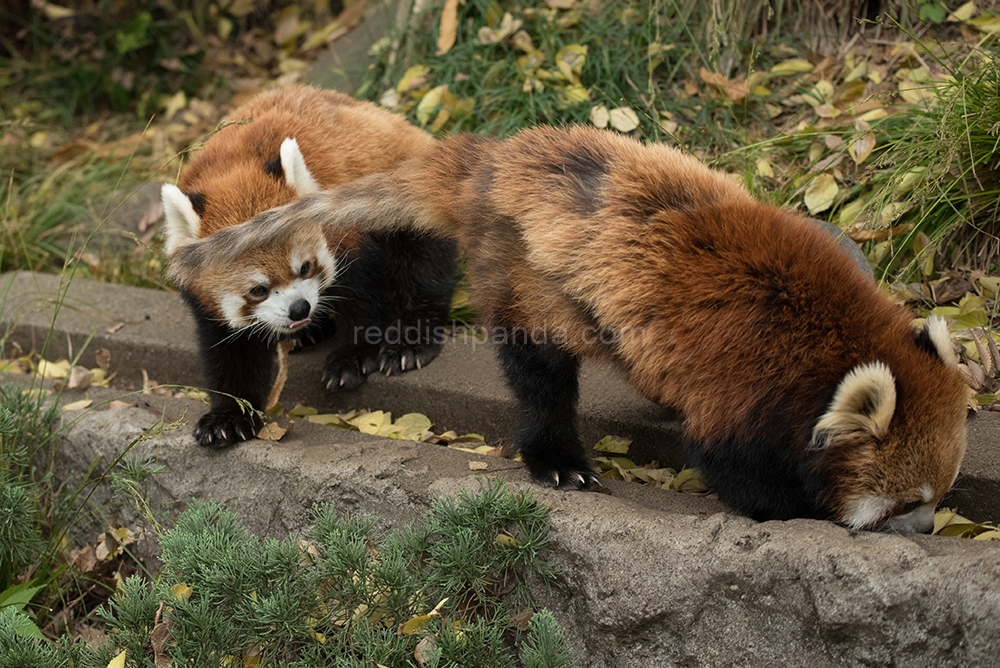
(276, 289)
(891, 462)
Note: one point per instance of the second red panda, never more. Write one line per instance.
(805, 391)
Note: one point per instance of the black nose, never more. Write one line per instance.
(299, 310)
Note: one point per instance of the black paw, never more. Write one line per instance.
(396, 359)
(569, 479)
(218, 430)
(573, 474)
(346, 372)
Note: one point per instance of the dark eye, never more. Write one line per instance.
(258, 291)
(306, 266)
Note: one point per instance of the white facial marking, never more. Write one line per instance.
(920, 520)
(866, 511)
(182, 222)
(273, 312)
(927, 491)
(937, 330)
(297, 175)
(230, 305)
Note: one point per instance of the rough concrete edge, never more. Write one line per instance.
(643, 582)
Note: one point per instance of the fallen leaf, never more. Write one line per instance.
(862, 148)
(424, 650)
(79, 378)
(181, 591)
(418, 622)
(764, 168)
(449, 27)
(58, 369)
(820, 193)
(963, 13)
(118, 661)
(103, 357)
(78, 405)
(613, 444)
(116, 404)
(271, 431)
(115, 328)
(522, 620)
(791, 66)
(599, 116)
(478, 466)
(623, 119)
(302, 411)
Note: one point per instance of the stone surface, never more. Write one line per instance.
(648, 577)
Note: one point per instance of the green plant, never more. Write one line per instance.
(347, 595)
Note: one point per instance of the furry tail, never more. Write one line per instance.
(376, 203)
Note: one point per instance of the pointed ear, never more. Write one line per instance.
(863, 404)
(936, 331)
(297, 175)
(182, 220)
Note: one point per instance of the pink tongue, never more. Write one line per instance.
(299, 323)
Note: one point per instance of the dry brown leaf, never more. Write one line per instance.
(478, 466)
(271, 432)
(116, 404)
(103, 358)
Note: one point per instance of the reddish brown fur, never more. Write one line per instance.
(340, 138)
(745, 316)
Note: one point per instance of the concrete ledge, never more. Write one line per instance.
(461, 390)
(649, 577)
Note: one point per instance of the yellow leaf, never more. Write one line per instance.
(413, 78)
(862, 148)
(599, 116)
(176, 102)
(624, 119)
(764, 168)
(181, 591)
(791, 66)
(58, 369)
(992, 534)
(371, 423)
(570, 60)
(302, 411)
(330, 419)
(820, 193)
(874, 115)
(575, 94)
(478, 466)
(988, 24)
(506, 540)
(271, 432)
(613, 444)
(118, 661)
(963, 13)
(78, 405)
(449, 27)
(412, 426)
(429, 103)
(418, 622)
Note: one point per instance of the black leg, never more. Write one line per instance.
(392, 306)
(544, 380)
(241, 366)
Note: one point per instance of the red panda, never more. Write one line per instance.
(805, 392)
(279, 146)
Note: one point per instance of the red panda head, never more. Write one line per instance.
(891, 443)
(275, 281)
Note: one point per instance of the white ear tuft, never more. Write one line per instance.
(864, 402)
(182, 220)
(937, 331)
(297, 175)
